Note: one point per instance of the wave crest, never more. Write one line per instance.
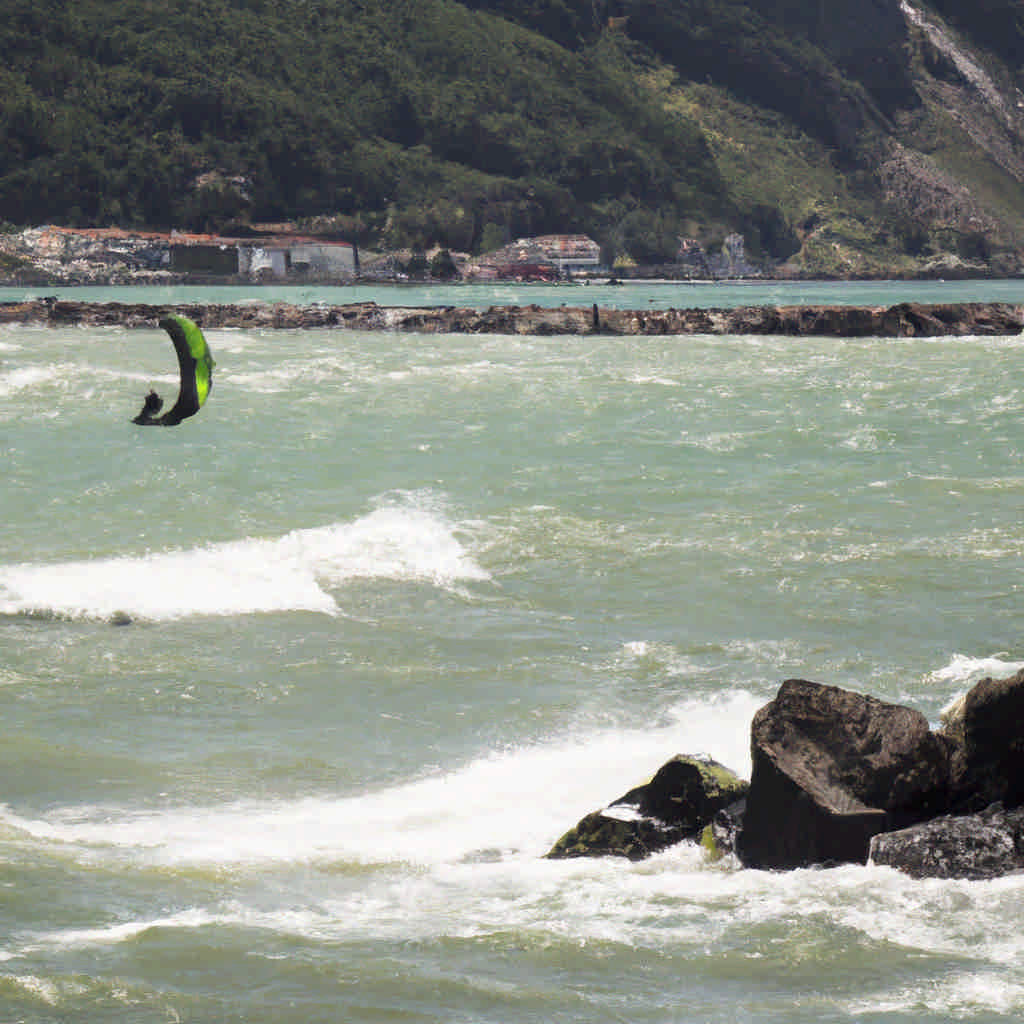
(293, 572)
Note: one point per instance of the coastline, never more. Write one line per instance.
(906, 319)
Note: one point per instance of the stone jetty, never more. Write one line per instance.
(901, 320)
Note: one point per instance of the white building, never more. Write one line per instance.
(289, 257)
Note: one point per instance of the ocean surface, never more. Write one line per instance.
(641, 295)
(295, 696)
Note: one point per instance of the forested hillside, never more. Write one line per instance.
(856, 136)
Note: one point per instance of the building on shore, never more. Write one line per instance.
(542, 257)
(276, 258)
(116, 256)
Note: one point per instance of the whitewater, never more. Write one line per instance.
(297, 695)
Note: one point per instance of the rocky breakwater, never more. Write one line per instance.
(63, 313)
(841, 777)
(902, 320)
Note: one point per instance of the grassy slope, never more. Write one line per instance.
(770, 165)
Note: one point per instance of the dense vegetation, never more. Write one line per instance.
(401, 122)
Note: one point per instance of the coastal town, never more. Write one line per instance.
(280, 253)
(50, 256)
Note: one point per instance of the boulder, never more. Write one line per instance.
(987, 737)
(605, 834)
(975, 846)
(721, 837)
(674, 805)
(831, 769)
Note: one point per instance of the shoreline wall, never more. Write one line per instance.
(900, 320)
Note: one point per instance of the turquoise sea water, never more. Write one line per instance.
(405, 607)
(643, 295)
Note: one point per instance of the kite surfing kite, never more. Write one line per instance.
(196, 365)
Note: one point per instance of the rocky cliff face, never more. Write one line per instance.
(971, 115)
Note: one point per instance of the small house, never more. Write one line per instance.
(552, 255)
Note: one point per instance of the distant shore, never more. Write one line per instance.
(907, 319)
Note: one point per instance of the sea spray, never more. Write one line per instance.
(294, 572)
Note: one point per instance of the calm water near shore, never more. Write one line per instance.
(641, 295)
(404, 607)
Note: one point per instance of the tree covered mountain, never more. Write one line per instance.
(854, 136)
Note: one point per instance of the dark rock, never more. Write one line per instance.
(675, 805)
(985, 845)
(988, 738)
(686, 791)
(832, 768)
(599, 834)
(721, 837)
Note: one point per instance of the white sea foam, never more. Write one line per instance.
(37, 381)
(956, 997)
(460, 852)
(43, 989)
(291, 373)
(963, 670)
(121, 932)
(459, 855)
(720, 442)
(517, 800)
(24, 378)
(676, 901)
(290, 573)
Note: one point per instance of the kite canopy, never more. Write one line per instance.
(196, 365)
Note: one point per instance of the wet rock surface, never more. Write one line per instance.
(831, 769)
(987, 731)
(842, 777)
(678, 802)
(976, 846)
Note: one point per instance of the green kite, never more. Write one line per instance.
(196, 364)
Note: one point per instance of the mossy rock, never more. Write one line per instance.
(598, 835)
(719, 838)
(675, 805)
(710, 846)
(686, 792)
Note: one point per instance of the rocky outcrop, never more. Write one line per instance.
(841, 777)
(831, 769)
(977, 846)
(676, 804)
(901, 320)
(985, 730)
(916, 186)
(692, 261)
